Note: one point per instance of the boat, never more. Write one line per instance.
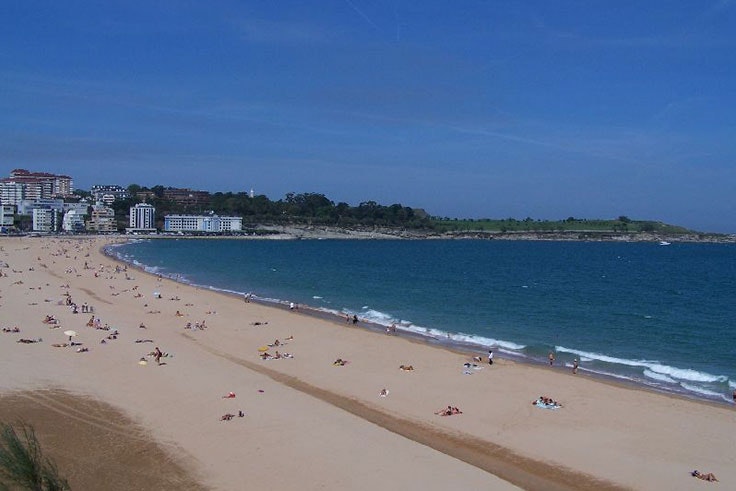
(664, 243)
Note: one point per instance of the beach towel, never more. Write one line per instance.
(547, 406)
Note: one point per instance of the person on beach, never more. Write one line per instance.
(705, 477)
(490, 357)
(551, 358)
(575, 366)
(157, 355)
(355, 319)
(734, 396)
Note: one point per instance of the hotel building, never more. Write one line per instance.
(202, 223)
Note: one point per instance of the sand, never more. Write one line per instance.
(307, 423)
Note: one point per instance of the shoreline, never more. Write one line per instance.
(311, 425)
(462, 347)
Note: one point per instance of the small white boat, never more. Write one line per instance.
(664, 243)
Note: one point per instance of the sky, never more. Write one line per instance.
(467, 109)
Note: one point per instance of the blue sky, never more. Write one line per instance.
(544, 109)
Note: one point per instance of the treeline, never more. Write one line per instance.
(302, 208)
(317, 209)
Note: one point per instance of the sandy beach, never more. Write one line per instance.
(307, 423)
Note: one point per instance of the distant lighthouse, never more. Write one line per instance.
(252, 193)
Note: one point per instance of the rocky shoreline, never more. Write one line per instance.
(294, 232)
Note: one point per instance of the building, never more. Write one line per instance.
(108, 193)
(142, 218)
(102, 220)
(187, 197)
(46, 220)
(202, 223)
(26, 206)
(73, 222)
(7, 216)
(81, 207)
(23, 184)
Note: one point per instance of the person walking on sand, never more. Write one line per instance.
(551, 358)
(157, 355)
(490, 357)
(575, 366)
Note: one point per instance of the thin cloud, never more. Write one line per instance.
(363, 15)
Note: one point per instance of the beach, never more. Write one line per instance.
(308, 423)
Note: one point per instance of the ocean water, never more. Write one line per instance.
(658, 316)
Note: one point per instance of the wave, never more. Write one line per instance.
(705, 392)
(686, 374)
(659, 377)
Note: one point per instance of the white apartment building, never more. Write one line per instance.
(6, 215)
(73, 221)
(142, 218)
(45, 220)
(202, 223)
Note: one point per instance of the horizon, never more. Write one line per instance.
(466, 111)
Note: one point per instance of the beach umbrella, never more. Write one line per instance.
(70, 333)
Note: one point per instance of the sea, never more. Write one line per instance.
(656, 316)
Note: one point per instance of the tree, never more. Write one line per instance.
(22, 463)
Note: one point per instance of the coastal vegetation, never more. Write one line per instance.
(315, 209)
(22, 463)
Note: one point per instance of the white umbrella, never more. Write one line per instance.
(70, 333)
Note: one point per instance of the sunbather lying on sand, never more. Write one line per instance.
(705, 477)
(546, 402)
(8, 329)
(339, 362)
(448, 411)
(28, 341)
(406, 367)
(60, 345)
(227, 417)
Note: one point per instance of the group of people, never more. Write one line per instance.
(448, 411)
(201, 326)
(546, 401)
(276, 356)
(11, 329)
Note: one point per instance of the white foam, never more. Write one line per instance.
(705, 392)
(687, 374)
(658, 376)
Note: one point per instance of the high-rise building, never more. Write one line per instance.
(142, 218)
(23, 184)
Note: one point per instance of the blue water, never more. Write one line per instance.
(660, 316)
